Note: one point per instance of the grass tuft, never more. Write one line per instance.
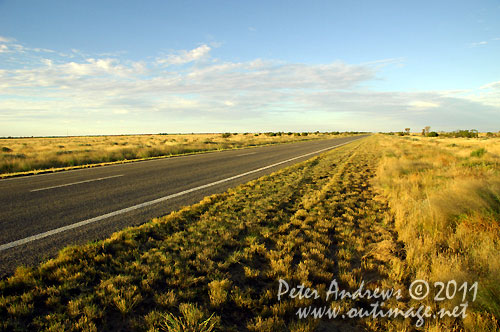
(191, 320)
(478, 153)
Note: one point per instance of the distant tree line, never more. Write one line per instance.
(290, 133)
(466, 133)
(472, 133)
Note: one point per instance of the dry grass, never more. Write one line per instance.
(19, 155)
(383, 211)
(217, 263)
(445, 193)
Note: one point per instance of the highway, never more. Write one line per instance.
(41, 214)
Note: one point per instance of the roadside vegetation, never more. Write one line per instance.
(218, 262)
(445, 193)
(461, 133)
(33, 155)
(382, 211)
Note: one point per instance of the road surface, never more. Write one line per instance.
(41, 214)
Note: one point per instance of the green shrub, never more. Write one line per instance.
(464, 133)
(478, 153)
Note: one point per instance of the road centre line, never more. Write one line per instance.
(73, 183)
(155, 201)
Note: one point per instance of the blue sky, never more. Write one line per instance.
(111, 67)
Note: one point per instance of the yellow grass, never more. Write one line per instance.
(34, 155)
(446, 199)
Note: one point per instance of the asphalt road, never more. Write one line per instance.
(41, 214)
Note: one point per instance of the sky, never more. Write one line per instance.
(135, 67)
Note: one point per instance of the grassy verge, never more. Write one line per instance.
(445, 194)
(26, 156)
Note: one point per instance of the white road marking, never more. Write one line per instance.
(158, 200)
(245, 154)
(70, 184)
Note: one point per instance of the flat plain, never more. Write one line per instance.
(19, 156)
(379, 212)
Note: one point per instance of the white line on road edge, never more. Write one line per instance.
(70, 184)
(158, 200)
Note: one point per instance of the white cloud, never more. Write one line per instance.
(492, 85)
(47, 62)
(120, 111)
(9, 45)
(420, 104)
(488, 94)
(186, 56)
(481, 43)
(213, 96)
